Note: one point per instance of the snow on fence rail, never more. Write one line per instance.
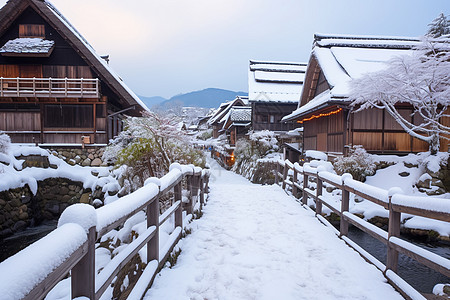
(396, 203)
(34, 271)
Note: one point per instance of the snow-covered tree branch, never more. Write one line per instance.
(420, 80)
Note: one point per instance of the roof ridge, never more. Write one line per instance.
(321, 36)
(252, 62)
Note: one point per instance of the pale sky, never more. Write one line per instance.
(167, 47)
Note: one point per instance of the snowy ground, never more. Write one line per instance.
(256, 242)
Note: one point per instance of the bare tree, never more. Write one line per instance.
(421, 80)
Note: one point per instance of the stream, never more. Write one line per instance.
(417, 275)
(13, 244)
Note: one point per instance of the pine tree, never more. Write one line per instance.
(439, 26)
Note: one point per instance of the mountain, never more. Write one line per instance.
(207, 98)
(151, 101)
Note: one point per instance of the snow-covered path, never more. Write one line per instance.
(256, 242)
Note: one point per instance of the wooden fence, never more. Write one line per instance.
(49, 87)
(80, 260)
(300, 179)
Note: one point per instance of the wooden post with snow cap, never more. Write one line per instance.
(285, 173)
(345, 204)
(294, 181)
(83, 273)
(277, 179)
(393, 231)
(177, 196)
(305, 185)
(196, 181)
(202, 193)
(152, 212)
(318, 194)
(179, 211)
(206, 179)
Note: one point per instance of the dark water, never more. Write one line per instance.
(13, 244)
(417, 275)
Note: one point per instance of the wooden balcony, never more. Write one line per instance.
(49, 87)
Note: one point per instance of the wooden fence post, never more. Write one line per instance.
(285, 172)
(195, 188)
(277, 179)
(294, 183)
(206, 188)
(305, 185)
(83, 273)
(318, 194)
(344, 207)
(188, 206)
(202, 192)
(179, 211)
(393, 230)
(153, 220)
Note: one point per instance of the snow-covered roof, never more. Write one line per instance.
(224, 109)
(275, 81)
(241, 114)
(28, 46)
(343, 58)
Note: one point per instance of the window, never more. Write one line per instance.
(100, 111)
(69, 116)
(272, 119)
(264, 118)
(32, 31)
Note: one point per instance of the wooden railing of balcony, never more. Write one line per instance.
(50, 87)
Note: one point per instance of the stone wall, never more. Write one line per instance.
(19, 208)
(83, 157)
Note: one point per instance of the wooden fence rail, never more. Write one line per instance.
(311, 182)
(75, 248)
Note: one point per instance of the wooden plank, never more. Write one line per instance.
(106, 229)
(442, 216)
(172, 185)
(168, 213)
(421, 255)
(367, 197)
(41, 290)
(118, 262)
(367, 227)
(330, 206)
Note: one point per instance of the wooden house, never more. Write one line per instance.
(216, 122)
(323, 109)
(54, 88)
(274, 89)
(237, 123)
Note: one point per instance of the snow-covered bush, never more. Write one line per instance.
(263, 142)
(5, 142)
(249, 154)
(148, 146)
(359, 163)
(205, 135)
